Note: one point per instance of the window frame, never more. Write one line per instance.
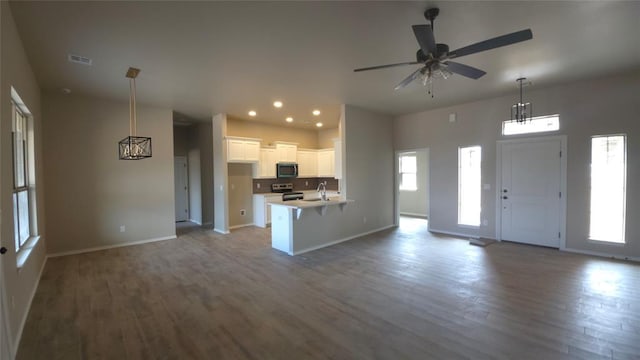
(23, 247)
(401, 173)
(461, 192)
(536, 118)
(590, 236)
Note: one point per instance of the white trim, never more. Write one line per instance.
(221, 231)
(457, 234)
(14, 345)
(342, 240)
(601, 254)
(240, 226)
(98, 248)
(195, 222)
(563, 183)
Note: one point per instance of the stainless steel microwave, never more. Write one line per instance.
(287, 170)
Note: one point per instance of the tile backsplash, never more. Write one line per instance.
(299, 184)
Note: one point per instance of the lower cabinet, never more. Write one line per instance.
(261, 209)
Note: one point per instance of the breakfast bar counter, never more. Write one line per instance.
(303, 225)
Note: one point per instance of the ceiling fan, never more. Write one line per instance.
(436, 58)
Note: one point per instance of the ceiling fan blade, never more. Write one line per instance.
(464, 70)
(496, 42)
(408, 79)
(387, 66)
(424, 35)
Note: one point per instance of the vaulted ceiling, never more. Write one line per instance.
(202, 58)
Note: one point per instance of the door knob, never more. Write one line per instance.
(504, 190)
(504, 197)
(3, 250)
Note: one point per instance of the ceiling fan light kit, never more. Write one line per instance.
(521, 112)
(435, 59)
(133, 147)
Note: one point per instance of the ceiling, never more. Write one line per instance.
(203, 58)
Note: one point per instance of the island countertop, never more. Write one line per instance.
(312, 203)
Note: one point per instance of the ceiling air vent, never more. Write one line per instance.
(79, 59)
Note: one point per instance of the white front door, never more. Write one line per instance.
(530, 195)
(181, 188)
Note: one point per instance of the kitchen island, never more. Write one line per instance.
(303, 225)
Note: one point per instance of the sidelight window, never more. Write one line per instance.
(608, 188)
(469, 195)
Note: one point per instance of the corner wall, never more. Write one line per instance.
(592, 107)
(16, 71)
(90, 193)
(369, 170)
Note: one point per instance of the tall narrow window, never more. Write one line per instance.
(608, 188)
(23, 179)
(469, 206)
(408, 170)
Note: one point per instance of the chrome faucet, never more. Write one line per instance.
(323, 191)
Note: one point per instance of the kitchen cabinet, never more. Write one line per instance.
(261, 208)
(266, 167)
(286, 152)
(326, 163)
(337, 164)
(307, 163)
(243, 150)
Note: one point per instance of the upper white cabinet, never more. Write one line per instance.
(326, 163)
(243, 149)
(266, 167)
(307, 163)
(337, 165)
(286, 152)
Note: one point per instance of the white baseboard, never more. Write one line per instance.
(342, 240)
(98, 248)
(195, 222)
(221, 231)
(240, 226)
(601, 254)
(457, 234)
(13, 349)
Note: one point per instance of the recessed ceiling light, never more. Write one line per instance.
(316, 112)
(277, 104)
(252, 113)
(66, 91)
(289, 119)
(319, 124)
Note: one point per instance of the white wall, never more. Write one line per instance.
(204, 139)
(15, 71)
(240, 194)
(90, 193)
(416, 202)
(369, 170)
(592, 107)
(220, 180)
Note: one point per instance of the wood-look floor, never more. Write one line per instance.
(399, 294)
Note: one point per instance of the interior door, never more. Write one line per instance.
(181, 188)
(530, 192)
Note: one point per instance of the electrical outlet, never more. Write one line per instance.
(242, 212)
(485, 222)
(306, 183)
(233, 186)
(258, 185)
(122, 228)
(364, 220)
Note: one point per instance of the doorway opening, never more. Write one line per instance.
(412, 188)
